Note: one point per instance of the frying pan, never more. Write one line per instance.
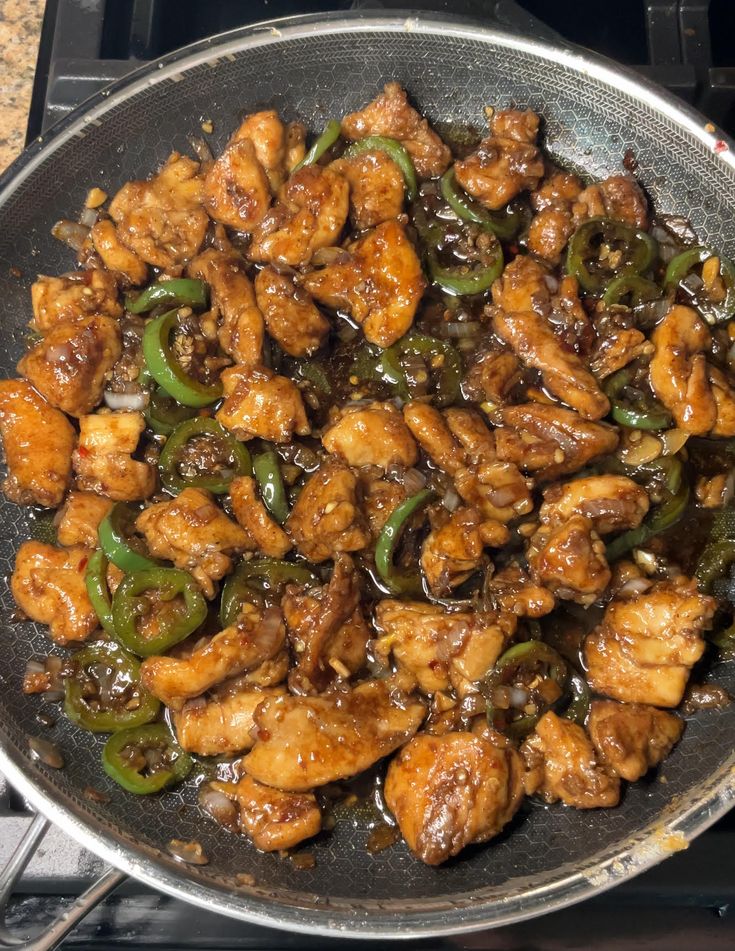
(315, 68)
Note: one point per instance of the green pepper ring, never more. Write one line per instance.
(178, 292)
(505, 225)
(396, 152)
(516, 656)
(272, 490)
(167, 371)
(201, 426)
(325, 141)
(95, 580)
(399, 582)
(275, 572)
(164, 419)
(643, 250)
(680, 266)
(112, 534)
(128, 777)
(172, 581)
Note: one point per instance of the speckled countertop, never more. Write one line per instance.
(20, 30)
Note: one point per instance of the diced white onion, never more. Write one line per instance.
(132, 402)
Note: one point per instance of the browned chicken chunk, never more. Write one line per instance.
(440, 648)
(644, 648)
(291, 316)
(56, 299)
(273, 819)
(251, 640)
(568, 558)
(38, 442)
(390, 114)
(553, 224)
(116, 256)
(236, 190)
(453, 549)
(193, 533)
(450, 791)
(221, 726)
(372, 435)
(561, 765)
(326, 630)
(326, 518)
(615, 348)
(511, 591)
(69, 366)
(550, 440)
(103, 460)
(619, 197)
(310, 214)
(259, 403)
(79, 518)
(270, 140)
(266, 535)
(303, 742)
(380, 284)
(240, 330)
(376, 188)
(630, 738)
(48, 585)
(162, 219)
(611, 502)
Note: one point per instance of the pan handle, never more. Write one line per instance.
(50, 938)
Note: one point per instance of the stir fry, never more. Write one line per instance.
(396, 453)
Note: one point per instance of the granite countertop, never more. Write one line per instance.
(20, 31)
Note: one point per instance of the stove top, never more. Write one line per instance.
(684, 45)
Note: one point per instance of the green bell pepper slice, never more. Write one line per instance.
(399, 581)
(95, 580)
(106, 667)
(325, 141)
(128, 756)
(385, 366)
(258, 578)
(272, 490)
(642, 412)
(176, 292)
(168, 597)
(505, 224)
(663, 517)
(579, 704)
(233, 457)
(714, 562)
(166, 369)
(681, 266)
(163, 414)
(638, 289)
(396, 152)
(639, 250)
(464, 281)
(119, 541)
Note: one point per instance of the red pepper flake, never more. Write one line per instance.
(83, 451)
(83, 563)
(720, 146)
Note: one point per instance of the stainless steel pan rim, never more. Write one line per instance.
(680, 822)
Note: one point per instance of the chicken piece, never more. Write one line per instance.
(376, 188)
(724, 395)
(240, 330)
(499, 169)
(291, 316)
(563, 372)
(630, 738)
(523, 286)
(549, 232)
(491, 376)
(221, 727)
(644, 648)
(511, 591)
(559, 189)
(48, 585)
(468, 427)
(497, 489)
(619, 197)
(69, 366)
(38, 442)
(615, 350)
(254, 638)
(103, 460)
(562, 765)
(295, 144)
(568, 558)
(432, 433)
(259, 403)
(519, 125)
(268, 135)
(193, 533)
(303, 742)
(453, 549)
(57, 299)
(310, 214)
(267, 535)
(710, 492)
(236, 189)
(390, 114)
(678, 370)
(450, 791)
(611, 502)
(380, 284)
(441, 648)
(116, 256)
(379, 499)
(550, 440)
(326, 630)
(273, 819)
(325, 518)
(80, 517)
(373, 435)
(162, 219)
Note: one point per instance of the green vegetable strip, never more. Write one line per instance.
(167, 371)
(664, 517)
(645, 414)
(268, 473)
(261, 576)
(95, 579)
(325, 141)
(397, 581)
(115, 536)
(505, 225)
(681, 266)
(178, 292)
